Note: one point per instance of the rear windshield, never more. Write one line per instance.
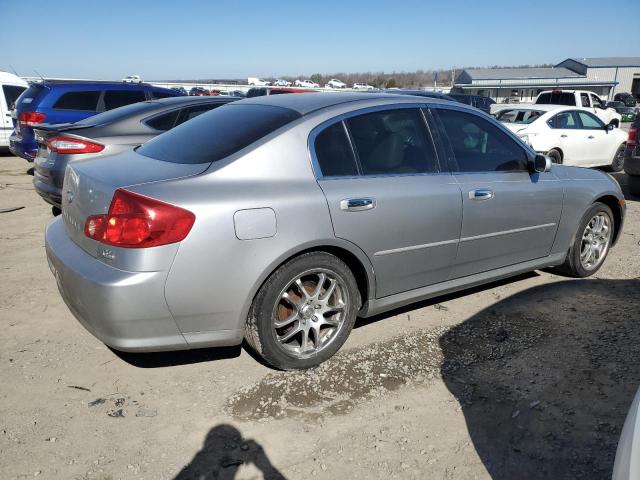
(30, 95)
(556, 98)
(217, 134)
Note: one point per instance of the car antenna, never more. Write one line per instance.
(41, 77)
(14, 70)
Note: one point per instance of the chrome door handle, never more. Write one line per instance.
(357, 204)
(563, 136)
(481, 194)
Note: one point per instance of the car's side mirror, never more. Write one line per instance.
(609, 126)
(541, 164)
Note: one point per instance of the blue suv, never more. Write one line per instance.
(70, 101)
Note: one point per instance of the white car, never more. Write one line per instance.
(362, 86)
(306, 84)
(281, 83)
(580, 98)
(569, 135)
(258, 82)
(335, 83)
(11, 87)
(627, 464)
(132, 79)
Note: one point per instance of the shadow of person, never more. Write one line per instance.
(223, 452)
(545, 378)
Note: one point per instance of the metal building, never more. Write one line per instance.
(604, 76)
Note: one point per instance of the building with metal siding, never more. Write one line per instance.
(604, 76)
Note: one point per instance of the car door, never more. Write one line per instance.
(8, 97)
(509, 215)
(599, 145)
(569, 137)
(387, 194)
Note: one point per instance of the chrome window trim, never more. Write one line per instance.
(363, 111)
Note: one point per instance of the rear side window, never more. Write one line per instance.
(556, 98)
(393, 142)
(86, 101)
(564, 121)
(480, 146)
(11, 94)
(164, 122)
(120, 98)
(193, 112)
(217, 134)
(334, 152)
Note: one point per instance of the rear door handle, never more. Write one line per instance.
(563, 136)
(357, 204)
(591, 136)
(481, 194)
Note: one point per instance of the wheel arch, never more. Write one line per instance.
(349, 253)
(613, 203)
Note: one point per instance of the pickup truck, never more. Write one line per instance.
(572, 98)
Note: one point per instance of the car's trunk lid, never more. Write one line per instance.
(89, 186)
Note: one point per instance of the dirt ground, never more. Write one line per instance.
(528, 378)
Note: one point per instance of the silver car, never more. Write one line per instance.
(280, 219)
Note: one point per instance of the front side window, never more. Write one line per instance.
(480, 146)
(564, 121)
(393, 142)
(590, 121)
(120, 98)
(85, 101)
(334, 153)
(11, 94)
(584, 98)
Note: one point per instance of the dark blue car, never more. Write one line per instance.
(70, 101)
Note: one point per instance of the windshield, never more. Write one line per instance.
(217, 134)
(519, 116)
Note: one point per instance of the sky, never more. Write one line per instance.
(191, 39)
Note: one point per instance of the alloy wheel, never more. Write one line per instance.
(595, 241)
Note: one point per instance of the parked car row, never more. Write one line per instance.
(311, 244)
(58, 101)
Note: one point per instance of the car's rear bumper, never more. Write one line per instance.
(125, 310)
(17, 148)
(50, 193)
(632, 160)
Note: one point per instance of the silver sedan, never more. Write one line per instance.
(281, 219)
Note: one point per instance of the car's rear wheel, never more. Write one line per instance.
(555, 156)
(591, 244)
(618, 160)
(304, 312)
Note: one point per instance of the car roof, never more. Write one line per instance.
(311, 102)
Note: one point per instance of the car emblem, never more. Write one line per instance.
(70, 196)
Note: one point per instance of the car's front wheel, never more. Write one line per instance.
(304, 312)
(591, 244)
(555, 156)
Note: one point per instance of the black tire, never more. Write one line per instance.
(572, 265)
(618, 160)
(56, 211)
(260, 333)
(634, 185)
(555, 156)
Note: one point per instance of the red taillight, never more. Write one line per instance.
(136, 221)
(633, 136)
(31, 118)
(62, 144)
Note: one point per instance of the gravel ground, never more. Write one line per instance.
(525, 378)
